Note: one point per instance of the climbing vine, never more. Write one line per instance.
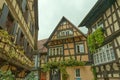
(61, 65)
(95, 39)
(93, 69)
(30, 76)
(11, 50)
(6, 75)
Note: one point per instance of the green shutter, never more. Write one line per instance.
(18, 36)
(3, 17)
(14, 28)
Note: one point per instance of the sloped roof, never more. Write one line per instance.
(99, 8)
(41, 46)
(63, 19)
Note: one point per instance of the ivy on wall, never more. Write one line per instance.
(95, 39)
(6, 75)
(12, 51)
(61, 65)
(30, 76)
(93, 69)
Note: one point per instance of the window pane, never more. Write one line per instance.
(101, 57)
(18, 36)
(108, 55)
(61, 50)
(24, 5)
(104, 54)
(50, 52)
(81, 48)
(77, 72)
(78, 49)
(112, 54)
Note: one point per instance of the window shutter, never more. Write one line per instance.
(32, 30)
(3, 16)
(18, 36)
(24, 5)
(14, 28)
(25, 45)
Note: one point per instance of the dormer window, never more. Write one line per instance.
(64, 23)
(65, 33)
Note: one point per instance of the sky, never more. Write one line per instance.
(51, 12)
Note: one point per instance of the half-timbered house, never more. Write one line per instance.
(106, 57)
(67, 43)
(43, 57)
(18, 36)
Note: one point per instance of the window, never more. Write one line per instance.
(7, 20)
(14, 29)
(43, 59)
(65, 33)
(104, 57)
(97, 25)
(10, 23)
(24, 3)
(108, 55)
(94, 28)
(112, 54)
(80, 48)
(50, 51)
(18, 36)
(104, 54)
(32, 29)
(64, 23)
(100, 23)
(61, 50)
(77, 74)
(55, 51)
(101, 56)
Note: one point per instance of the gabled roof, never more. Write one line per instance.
(62, 20)
(41, 46)
(98, 9)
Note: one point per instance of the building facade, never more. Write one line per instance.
(18, 18)
(43, 57)
(106, 58)
(67, 53)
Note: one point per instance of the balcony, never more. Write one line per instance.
(12, 53)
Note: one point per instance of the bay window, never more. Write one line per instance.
(104, 54)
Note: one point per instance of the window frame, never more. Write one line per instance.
(55, 51)
(65, 33)
(77, 74)
(78, 45)
(107, 54)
